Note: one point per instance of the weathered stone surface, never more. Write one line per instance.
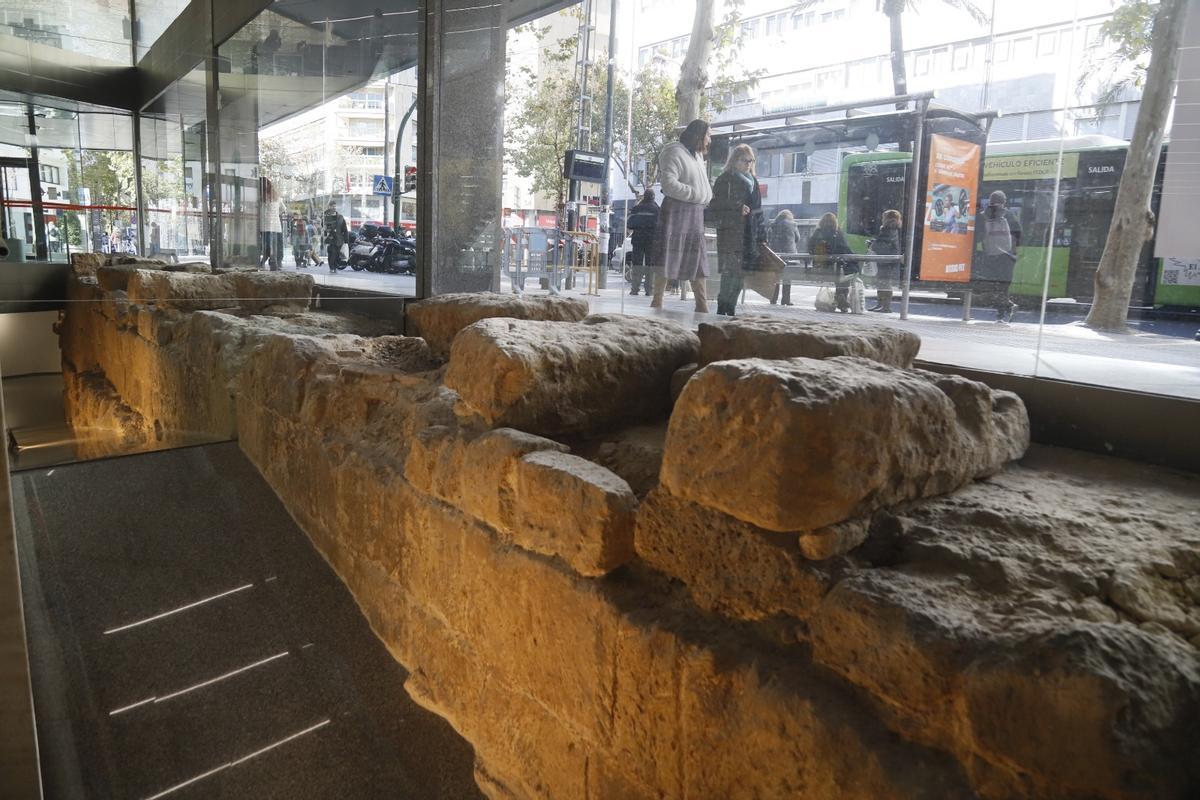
(834, 540)
(771, 337)
(680, 379)
(1009, 639)
(806, 443)
(565, 377)
(438, 319)
(729, 566)
(248, 291)
(86, 264)
(569, 507)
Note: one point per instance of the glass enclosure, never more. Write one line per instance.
(404, 150)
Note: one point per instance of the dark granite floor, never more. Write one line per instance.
(188, 642)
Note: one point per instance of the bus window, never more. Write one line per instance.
(872, 188)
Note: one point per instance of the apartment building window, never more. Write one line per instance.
(962, 58)
(803, 19)
(1047, 43)
(796, 163)
(1023, 48)
(922, 63)
(1093, 36)
(772, 26)
(48, 173)
(1002, 51)
(365, 129)
(829, 77)
(750, 29)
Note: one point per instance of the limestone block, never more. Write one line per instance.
(474, 475)
(1085, 709)
(769, 337)
(730, 567)
(563, 377)
(115, 277)
(251, 291)
(405, 353)
(804, 444)
(438, 319)
(680, 379)
(86, 264)
(280, 291)
(566, 506)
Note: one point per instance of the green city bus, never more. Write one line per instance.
(1026, 172)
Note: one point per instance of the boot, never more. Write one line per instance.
(701, 292)
(883, 302)
(660, 286)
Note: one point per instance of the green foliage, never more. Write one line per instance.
(543, 126)
(1123, 66)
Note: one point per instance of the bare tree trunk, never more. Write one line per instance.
(1132, 222)
(693, 75)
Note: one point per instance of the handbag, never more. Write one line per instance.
(345, 251)
(769, 260)
(825, 299)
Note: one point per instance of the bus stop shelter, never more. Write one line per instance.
(906, 122)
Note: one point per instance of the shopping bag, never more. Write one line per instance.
(825, 299)
(345, 251)
(857, 297)
(870, 269)
(769, 260)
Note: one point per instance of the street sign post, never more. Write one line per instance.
(382, 185)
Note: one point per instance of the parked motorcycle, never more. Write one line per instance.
(362, 246)
(393, 254)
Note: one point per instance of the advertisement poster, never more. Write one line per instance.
(949, 234)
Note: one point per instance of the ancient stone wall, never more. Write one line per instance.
(837, 586)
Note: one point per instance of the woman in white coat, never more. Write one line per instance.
(679, 249)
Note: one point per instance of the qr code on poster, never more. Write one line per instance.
(1170, 277)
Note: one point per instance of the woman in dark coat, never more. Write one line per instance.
(825, 244)
(736, 210)
(887, 243)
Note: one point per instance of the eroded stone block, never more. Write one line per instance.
(769, 337)
(250, 291)
(438, 319)
(559, 377)
(804, 444)
(566, 506)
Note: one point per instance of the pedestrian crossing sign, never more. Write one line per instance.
(382, 184)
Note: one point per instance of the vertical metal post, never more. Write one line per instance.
(41, 249)
(910, 213)
(605, 196)
(142, 207)
(387, 122)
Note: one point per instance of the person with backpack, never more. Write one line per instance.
(887, 243)
(998, 231)
(336, 235)
(642, 220)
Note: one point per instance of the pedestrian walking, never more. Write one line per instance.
(784, 238)
(886, 243)
(998, 236)
(641, 223)
(825, 244)
(736, 211)
(336, 235)
(679, 249)
(270, 226)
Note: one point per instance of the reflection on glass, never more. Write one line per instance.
(173, 172)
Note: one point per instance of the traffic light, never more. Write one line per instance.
(410, 178)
